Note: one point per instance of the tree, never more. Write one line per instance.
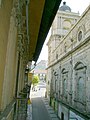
(35, 80)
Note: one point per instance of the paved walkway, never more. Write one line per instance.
(29, 112)
(50, 110)
(41, 110)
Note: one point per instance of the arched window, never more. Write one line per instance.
(66, 24)
(80, 88)
(80, 75)
(64, 82)
(64, 87)
(79, 35)
(56, 55)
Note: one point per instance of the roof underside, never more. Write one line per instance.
(41, 15)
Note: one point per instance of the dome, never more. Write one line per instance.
(64, 7)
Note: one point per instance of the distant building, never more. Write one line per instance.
(68, 71)
(40, 70)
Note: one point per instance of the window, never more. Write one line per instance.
(64, 82)
(80, 76)
(56, 55)
(80, 88)
(65, 47)
(64, 87)
(66, 24)
(79, 35)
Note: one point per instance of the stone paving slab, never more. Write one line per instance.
(39, 111)
(55, 119)
(47, 106)
(53, 115)
(50, 110)
(46, 100)
(29, 112)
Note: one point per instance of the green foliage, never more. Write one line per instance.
(35, 80)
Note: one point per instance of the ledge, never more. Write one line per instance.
(70, 52)
(7, 110)
(82, 114)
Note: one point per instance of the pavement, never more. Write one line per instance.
(39, 108)
(29, 112)
(50, 110)
(39, 111)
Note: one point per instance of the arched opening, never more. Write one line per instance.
(79, 35)
(80, 75)
(64, 82)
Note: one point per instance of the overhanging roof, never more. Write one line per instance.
(41, 16)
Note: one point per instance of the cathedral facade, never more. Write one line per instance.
(68, 71)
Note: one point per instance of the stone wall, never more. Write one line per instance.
(5, 13)
(71, 40)
(11, 46)
(72, 67)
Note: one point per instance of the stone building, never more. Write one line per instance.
(68, 71)
(40, 70)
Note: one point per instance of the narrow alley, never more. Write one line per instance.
(44, 60)
(40, 105)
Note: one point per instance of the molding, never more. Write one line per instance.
(82, 114)
(70, 52)
(7, 110)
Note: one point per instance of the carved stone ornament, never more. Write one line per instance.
(19, 6)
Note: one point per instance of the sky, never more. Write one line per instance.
(76, 6)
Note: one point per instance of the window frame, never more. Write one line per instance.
(64, 81)
(80, 69)
(80, 35)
